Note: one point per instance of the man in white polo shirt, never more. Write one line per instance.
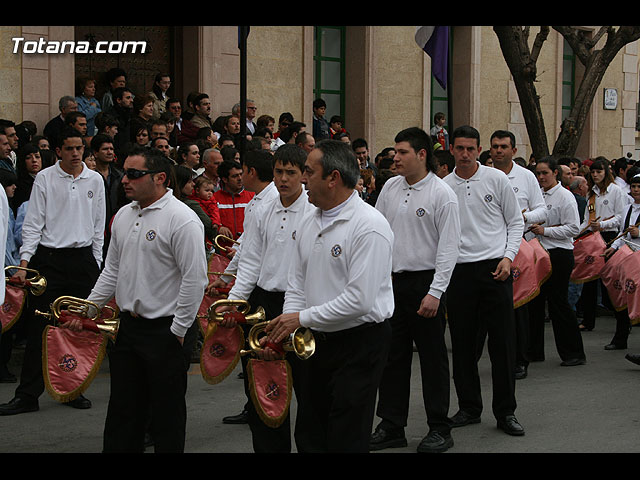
(339, 287)
(156, 267)
(480, 293)
(527, 190)
(62, 238)
(423, 213)
(263, 270)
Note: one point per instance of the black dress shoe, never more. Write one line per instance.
(19, 405)
(510, 426)
(435, 442)
(463, 418)
(613, 346)
(521, 372)
(8, 378)
(383, 438)
(242, 417)
(81, 403)
(633, 358)
(572, 362)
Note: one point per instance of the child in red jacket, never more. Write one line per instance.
(203, 194)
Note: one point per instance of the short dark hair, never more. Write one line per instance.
(68, 132)
(319, 103)
(104, 120)
(98, 140)
(4, 124)
(289, 154)
(154, 160)
(288, 132)
(199, 98)
(7, 178)
(260, 161)
(504, 134)
(72, 117)
(226, 166)
(445, 157)
(119, 92)
(418, 139)
(114, 73)
(337, 155)
(465, 131)
(285, 117)
(358, 143)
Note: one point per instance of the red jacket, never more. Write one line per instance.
(231, 208)
(210, 207)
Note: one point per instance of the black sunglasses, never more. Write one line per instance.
(134, 173)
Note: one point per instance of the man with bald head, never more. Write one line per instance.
(211, 160)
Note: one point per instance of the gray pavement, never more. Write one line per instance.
(583, 409)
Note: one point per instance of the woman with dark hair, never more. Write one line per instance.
(182, 189)
(28, 165)
(605, 205)
(556, 235)
(139, 133)
(116, 78)
(158, 93)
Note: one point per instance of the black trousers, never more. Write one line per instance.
(407, 327)
(338, 402)
(267, 439)
(69, 271)
(148, 380)
(476, 301)
(589, 297)
(563, 319)
(623, 324)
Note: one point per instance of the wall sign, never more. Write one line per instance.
(610, 98)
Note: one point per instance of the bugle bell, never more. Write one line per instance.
(301, 342)
(224, 237)
(243, 306)
(36, 284)
(84, 308)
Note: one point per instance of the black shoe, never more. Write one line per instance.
(19, 405)
(572, 362)
(613, 346)
(242, 417)
(435, 442)
(386, 438)
(510, 426)
(241, 375)
(462, 418)
(633, 358)
(521, 372)
(81, 403)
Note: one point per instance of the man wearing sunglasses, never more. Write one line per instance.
(156, 267)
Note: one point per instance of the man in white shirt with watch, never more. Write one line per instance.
(480, 293)
(156, 267)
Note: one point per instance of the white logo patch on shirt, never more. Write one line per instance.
(151, 235)
(420, 212)
(488, 198)
(90, 194)
(336, 250)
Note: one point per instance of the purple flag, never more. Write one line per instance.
(435, 42)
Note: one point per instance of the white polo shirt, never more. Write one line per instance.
(267, 247)
(65, 212)
(156, 264)
(563, 219)
(491, 223)
(635, 215)
(609, 205)
(267, 193)
(4, 231)
(340, 275)
(426, 226)
(527, 190)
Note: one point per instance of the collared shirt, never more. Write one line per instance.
(527, 190)
(634, 209)
(626, 188)
(609, 207)
(267, 247)
(563, 220)
(490, 219)
(65, 212)
(156, 265)
(266, 194)
(340, 275)
(426, 225)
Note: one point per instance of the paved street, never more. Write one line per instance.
(583, 409)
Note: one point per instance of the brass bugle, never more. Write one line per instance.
(222, 273)
(109, 326)
(258, 316)
(224, 237)
(37, 284)
(301, 341)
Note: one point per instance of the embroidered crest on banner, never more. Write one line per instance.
(68, 363)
